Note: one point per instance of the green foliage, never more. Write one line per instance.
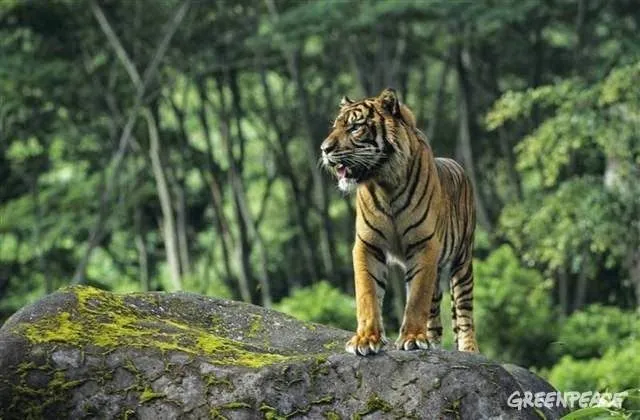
(321, 303)
(590, 332)
(583, 121)
(514, 310)
(600, 349)
(617, 370)
(514, 105)
(579, 164)
(547, 230)
(557, 157)
(597, 413)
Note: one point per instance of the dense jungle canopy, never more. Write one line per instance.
(174, 145)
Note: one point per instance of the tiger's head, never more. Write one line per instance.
(370, 140)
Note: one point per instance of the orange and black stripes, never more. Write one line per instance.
(376, 251)
(412, 208)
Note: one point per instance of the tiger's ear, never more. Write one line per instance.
(389, 101)
(345, 101)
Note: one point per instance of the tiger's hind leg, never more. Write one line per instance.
(434, 324)
(462, 307)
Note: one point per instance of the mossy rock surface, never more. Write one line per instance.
(85, 353)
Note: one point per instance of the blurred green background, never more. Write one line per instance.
(173, 145)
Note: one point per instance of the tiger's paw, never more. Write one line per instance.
(434, 344)
(365, 344)
(412, 342)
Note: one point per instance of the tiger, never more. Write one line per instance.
(413, 210)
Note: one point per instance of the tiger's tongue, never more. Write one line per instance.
(342, 171)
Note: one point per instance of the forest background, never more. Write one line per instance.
(173, 145)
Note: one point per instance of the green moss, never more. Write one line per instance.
(60, 329)
(273, 414)
(127, 414)
(149, 394)
(215, 412)
(454, 409)
(25, 367)
(102, 375)
(60, 383)
(212, 380)
(324, 400)
(320, 367)
(231, 352)
(311, 326)
(130, 366)
(270, 413)
(333, 345)
(107, 320)
(374, 404)
(35, 402)
(256, 326)
(235, 405)
(331, 415)
(110, 321)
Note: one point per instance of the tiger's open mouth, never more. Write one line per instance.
(342, 172)
(346, 178)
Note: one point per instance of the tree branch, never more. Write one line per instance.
(121, 53)
(118, 157)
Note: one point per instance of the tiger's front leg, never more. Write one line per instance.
(421, 277)
(370, 283)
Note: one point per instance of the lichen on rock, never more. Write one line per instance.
(110, 321)
(86, 353)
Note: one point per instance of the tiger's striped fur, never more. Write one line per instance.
(412, 209)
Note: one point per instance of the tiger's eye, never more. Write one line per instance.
(355, 128)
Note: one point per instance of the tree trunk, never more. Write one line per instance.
(224, 231)
(243, 253)
(422, 90)
(248, 220)
(581, 288)
(243, 244)
(97, 232)
(38, 216)
(176, 179)
(113, 169)
(181, 225)
(359, 69)
(438, 102)
(143, 255)
(326, 241)
(464, 136)
(215, 174)
(168, 219)
(319, 186)
(563, 291)
(241, 195)
(298, 203)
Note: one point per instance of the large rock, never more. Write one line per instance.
(86, 353)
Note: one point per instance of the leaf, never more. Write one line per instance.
(593, 413)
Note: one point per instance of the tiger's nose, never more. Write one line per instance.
(328, 146)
